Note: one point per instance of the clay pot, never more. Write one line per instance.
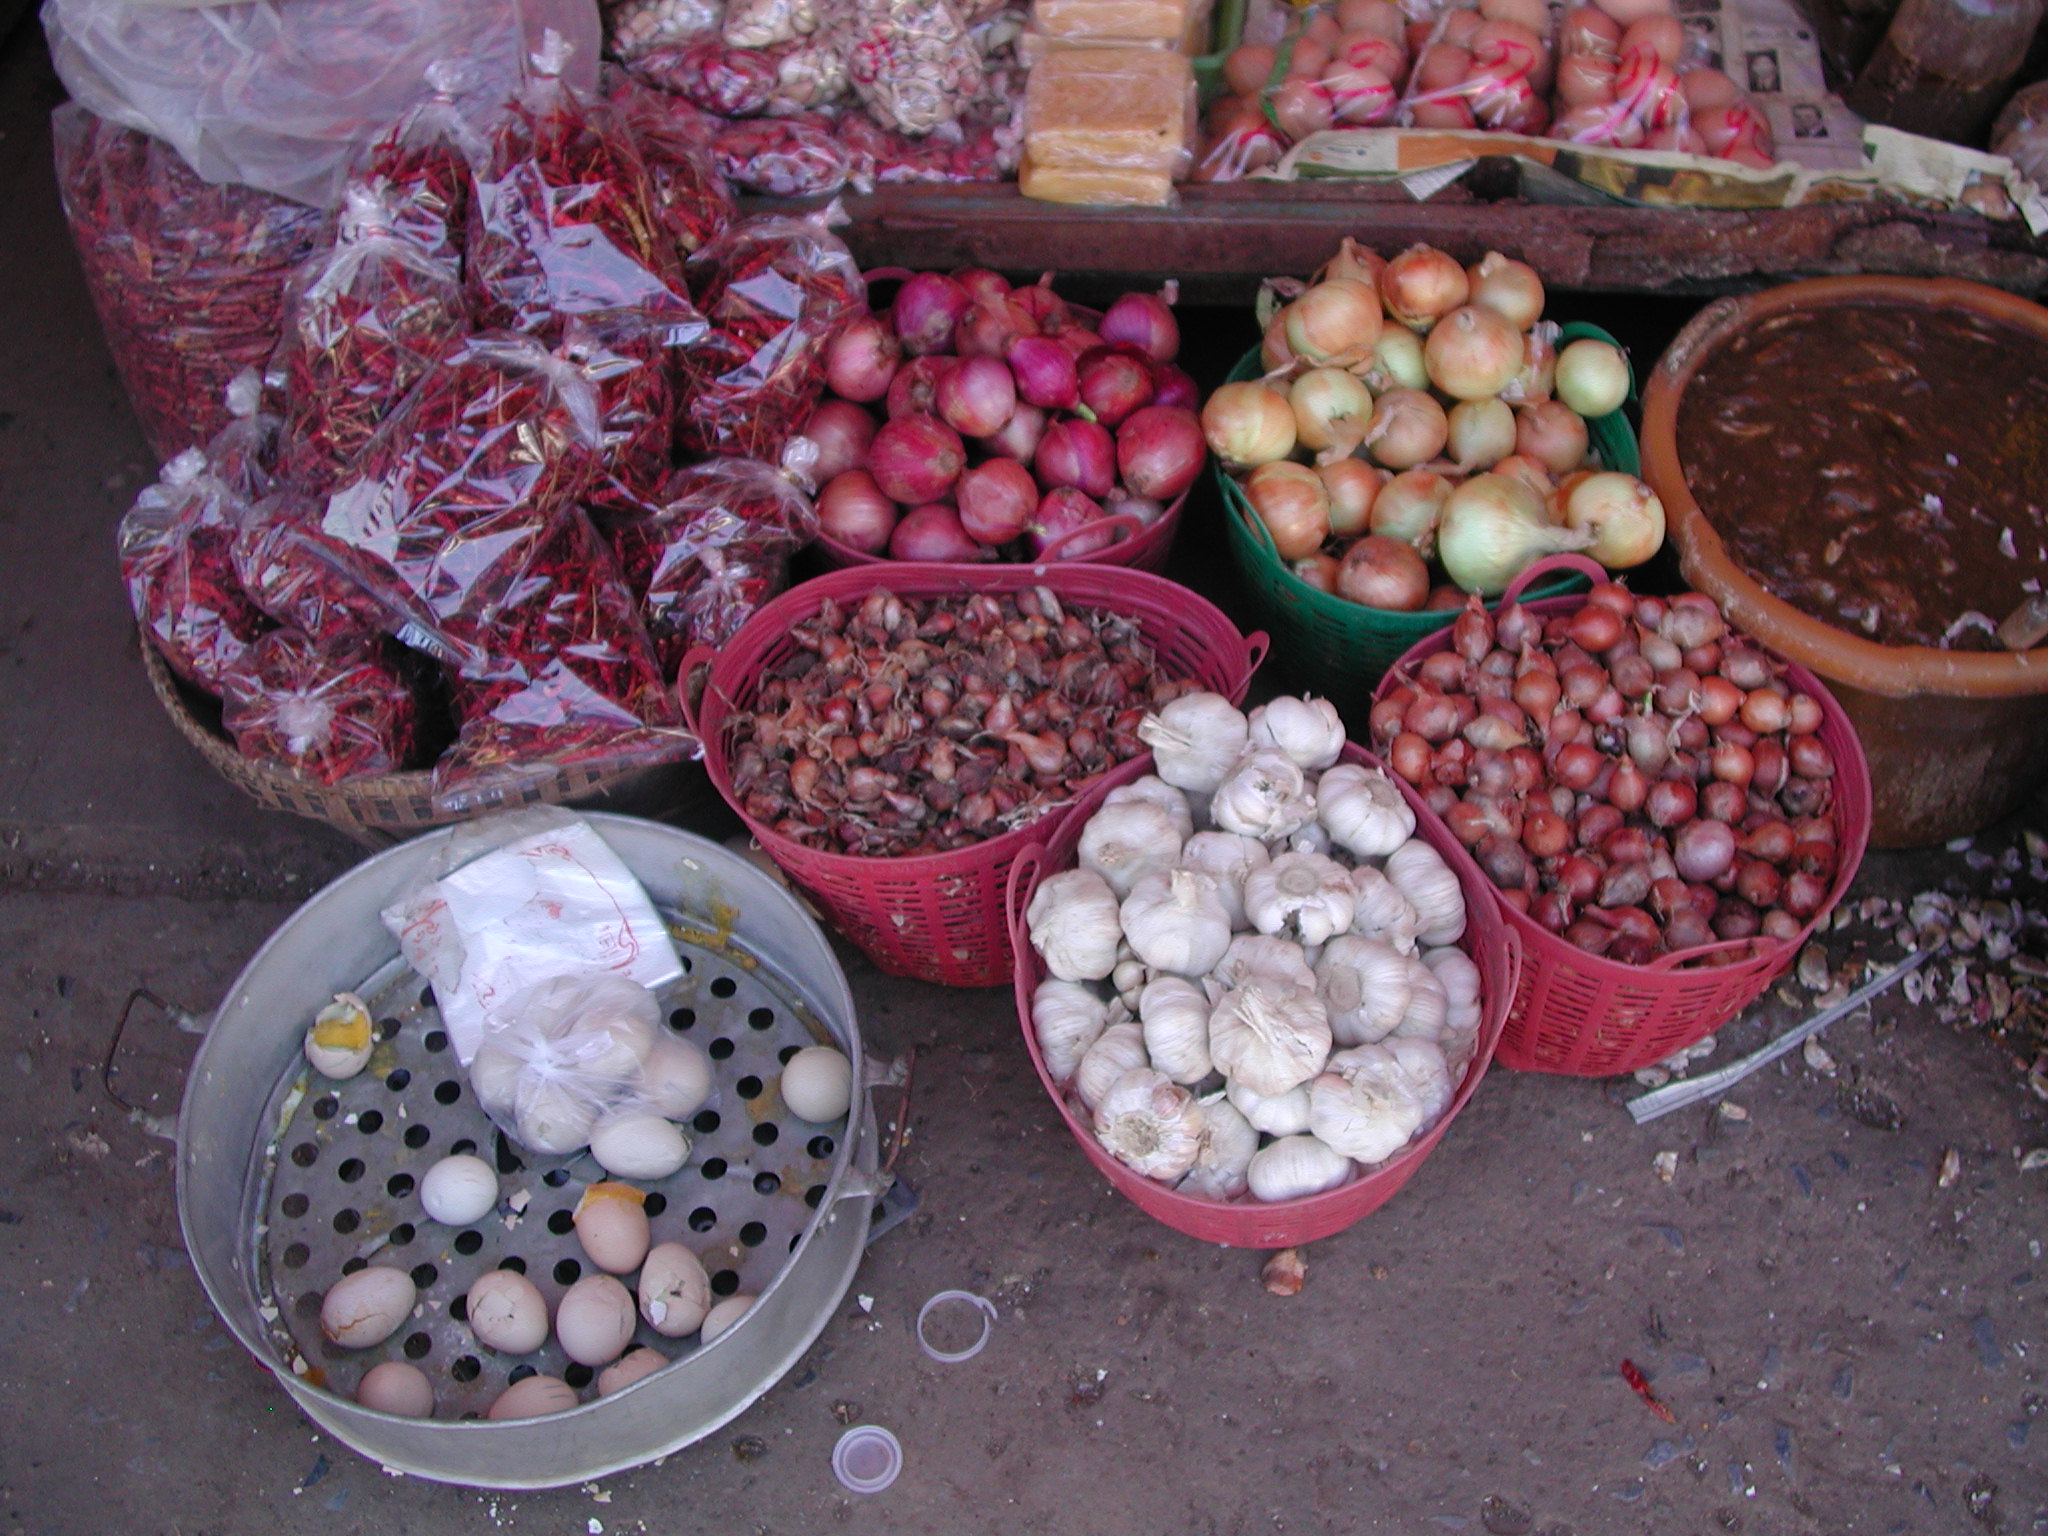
(1955, 739)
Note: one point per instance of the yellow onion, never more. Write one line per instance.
(1481, 434)
(1472, 353)
(1331, 409)
(1248, 423)
(1354, 486)
(1421, 285)
(1409, 506)
(1396, 362)
(1291, 501)
(1408, 428)
(1511, 289)
(1334, 322)
(1493, 527)
(1592, 377)
(1623, 515)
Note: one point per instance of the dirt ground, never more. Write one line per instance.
(1832, 1281)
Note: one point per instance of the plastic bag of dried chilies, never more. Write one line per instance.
(187, 278)
(691, 200)
(714, 548)
(626, 356)
(363, 322)
(775, 291)
(326, 711)
(301, 577)
(424, 159)
(176, 543)
(563, 220)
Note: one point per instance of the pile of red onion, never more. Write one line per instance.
(1635, 776)
(976, 421)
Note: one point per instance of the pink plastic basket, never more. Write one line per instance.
(1586, 1016)
(940, 917)
(1138, 546)
(1249, 1223)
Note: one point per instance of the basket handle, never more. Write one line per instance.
(1024, 872)
(697, 656)
(1257, 646)
(1241, 508)
(1550, 565)
(1123, 524)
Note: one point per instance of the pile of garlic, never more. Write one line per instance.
(1254, 981)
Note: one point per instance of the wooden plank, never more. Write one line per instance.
(1221, 239)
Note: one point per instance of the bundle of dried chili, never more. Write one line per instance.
(187, 278)
(363, 322)
(791, 157)
(176, 561)
(776, 291)
(691, 199)
(326, 712)
(626, 356)
(425, 159)
(950, 154)
(305, 580)
(563, 221)
(714, 548)
(243, 454)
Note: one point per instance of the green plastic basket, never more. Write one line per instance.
(1339, 649)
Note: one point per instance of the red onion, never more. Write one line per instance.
(1078, 453)
(981, 284)
(1670, 804)
(1063, 510)
(1148, 510)
(1045, 373)
(1114, 382)
(1159, 451)
(934, 533)
(862, 360)
(843, 433)
(977, 397)
(914, 390)
(1044, 306)
(916, 459)
(1173, 386)
(853, 511)
(1018, 437)
(997, 500)
(928, 306)
(988, 327)
(1145, 321)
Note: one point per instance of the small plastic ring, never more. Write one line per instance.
(954, 1357)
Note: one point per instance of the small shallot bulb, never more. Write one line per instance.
(1592, 377)
(1248, 424)
(1480, 433)
(1354, 486)
(1292, 502)
(1421, 285)
(1510, 288)
(1336, 321)
(1407, 428)
(1624, 516)
(1331, 409)
(1551, 433)
(1472, 353)
(1380, 572)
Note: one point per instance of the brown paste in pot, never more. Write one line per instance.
(1880, 467)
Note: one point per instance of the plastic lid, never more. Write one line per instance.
(982, 1304)
(867, 1459)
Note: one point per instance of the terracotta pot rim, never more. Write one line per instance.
(1834, 653)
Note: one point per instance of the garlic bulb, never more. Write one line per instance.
(1363, 810)
(1431, 888)
(1265, 796)
(1174, 1014)
(1195, 740)
(1366, 1105)
(1309, 732)
(1226, 858)
(1365, 986)
(1225, 1154)
(1295, 1167)
(1176, 922)
(1269, 1037)
(1117, 1050)
(1460, 977)
(1305, 894)
(1156, 791)
(1427, 1070)
(1282, 1114)
(1428, 1007)
(1067, 1018)
(1150, 1124)
(1259, 957)
(1380, 911)
(1125, 842)
(1073, 923)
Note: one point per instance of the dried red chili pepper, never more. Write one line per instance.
(563, 221)
(324, 712)
(629, 359)
(425, 159)
(300, 577)
(187, 278)
(776, 291)
(691, 199)
(1641, 1386)
(363, 322)
(176, 560)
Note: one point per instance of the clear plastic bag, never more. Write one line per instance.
(1481, 70)
(425, 161)
(764, 23)
(297, 575)
(712, 76)
(790, 157)
(187, 278)
(627, 357)
(363, 322)
(775, 291)
(638, 26)
(325, 712)
(556, 1056)
(176, 545)
(282, 97)
(912, 62)
(563, 221)
(691, 199)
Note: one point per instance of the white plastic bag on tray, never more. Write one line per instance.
(559, 1055)
(282, 97)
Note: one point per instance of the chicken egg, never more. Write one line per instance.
(675, 1291)
(724, 1315)
(553, 1119)
(675, 1080)
(507, 1312)
(533, 1398)
(460, 1189)
(638, 1146)
(399, 1387)
(341, 1038)
(611, 1224)
(817, 1084)
(364, 1309)
(634, 1365)
(594, 1320)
